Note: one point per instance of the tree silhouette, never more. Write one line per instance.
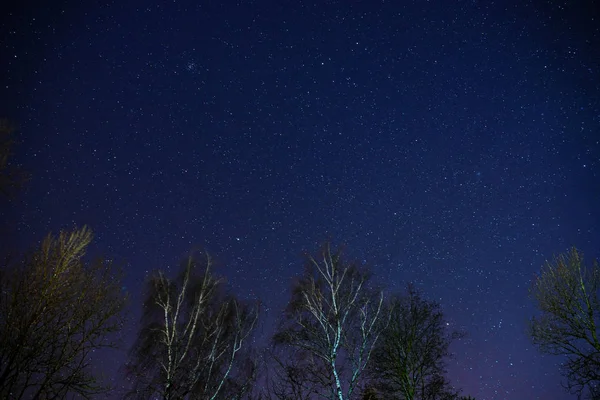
(289, 376)
(409, 361)
(55, 311)
(566, 294)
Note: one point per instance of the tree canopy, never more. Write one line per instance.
(566, 294)
(55, 310)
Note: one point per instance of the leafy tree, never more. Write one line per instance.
(192, 339)
(330, 327)
(409, 361)
(55, 311)
(566, 294)
(11, 177)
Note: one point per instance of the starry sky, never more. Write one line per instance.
(453, 144)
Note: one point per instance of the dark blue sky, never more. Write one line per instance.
(455, 144)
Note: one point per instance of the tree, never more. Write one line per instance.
(192, 339)
(566, 294)
(55, 311)
(11, 178)
(409, 361)
(289, 376)
(331, 325)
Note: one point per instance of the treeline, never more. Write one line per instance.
(340, 337)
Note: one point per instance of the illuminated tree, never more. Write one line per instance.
(192, 339)
(566, 294)
(55, 311)
(409, 361)
(331, 326)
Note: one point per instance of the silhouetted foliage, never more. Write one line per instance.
(55, 311)
(330, 326)
(409, 360)
(192, 339)
(566, 294)
(289, 376)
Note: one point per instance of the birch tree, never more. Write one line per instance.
(192, 340)
(56, 311)
(333, 320)
(566, 294)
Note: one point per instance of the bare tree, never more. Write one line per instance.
(55, 311)
(333, 320)
(566, 294)
(192, 339)
(292, 374)
(409, 362)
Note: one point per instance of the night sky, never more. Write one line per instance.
(454, 144)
